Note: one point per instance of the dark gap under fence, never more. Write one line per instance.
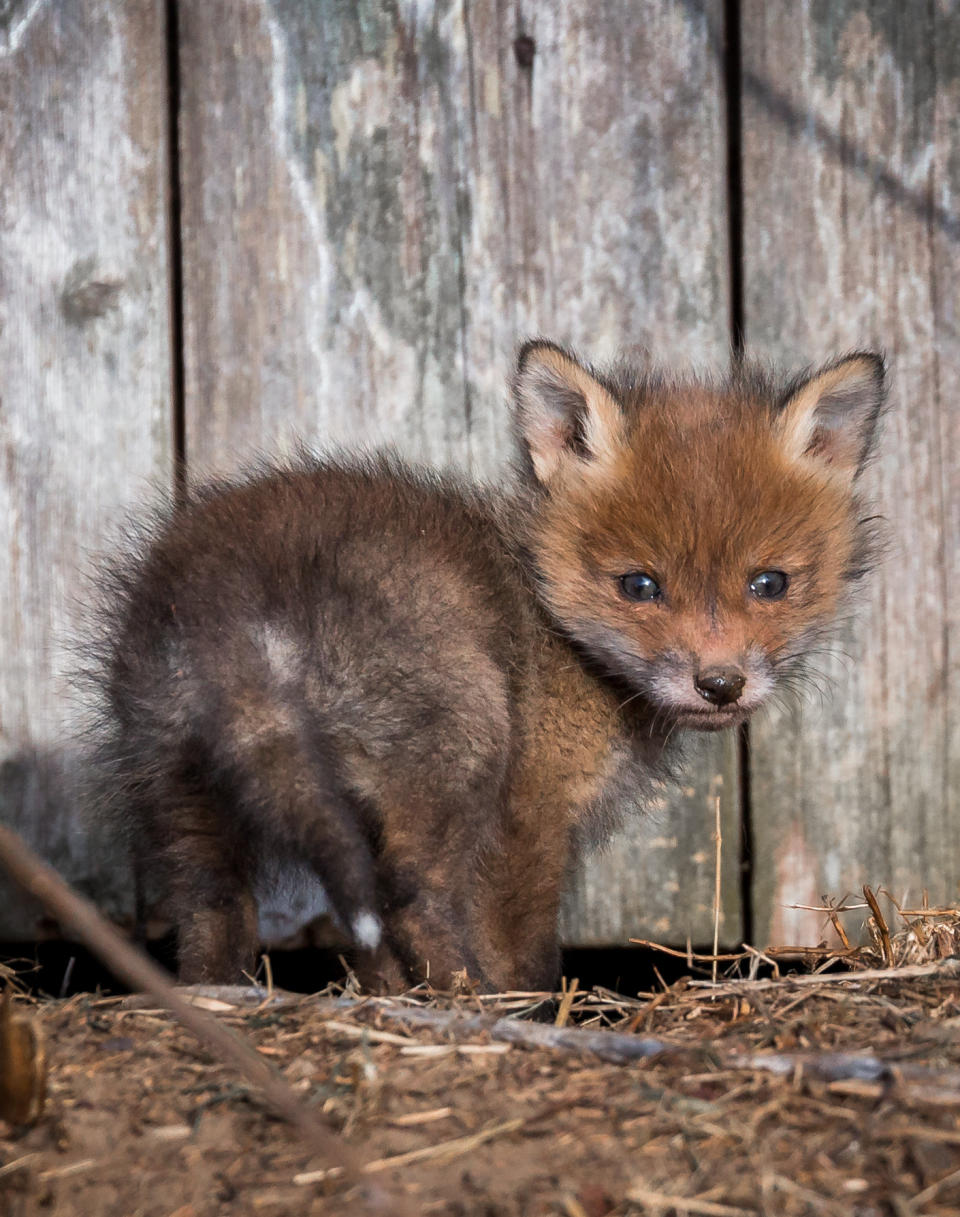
(55, 968)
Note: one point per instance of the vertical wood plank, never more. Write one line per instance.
(851, 179)
(380, 200)
(84, 374)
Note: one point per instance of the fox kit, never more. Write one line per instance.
(432, 697)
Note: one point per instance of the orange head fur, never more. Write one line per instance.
(694, 538)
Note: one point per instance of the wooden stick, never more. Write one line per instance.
(718, 841)
(925, 1082)
(444, 1151)
(130, 965)
(569, 992)
(611, 1046)
(946, 968)
(686, 1206)
(881, 925)
(688, 955)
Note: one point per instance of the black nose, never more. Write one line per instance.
(720, 686)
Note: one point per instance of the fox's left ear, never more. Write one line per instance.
(832, 415)
(568, 420)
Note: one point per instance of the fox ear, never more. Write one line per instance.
(564, 414)
(832, 415)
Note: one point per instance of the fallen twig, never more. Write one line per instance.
(563, 1011)
(881, 924)
(612, 1046)
(717, 887)
(940, 1086)
(942, 968)
(444, 1151)
(683, 1205)
(26, 1162)
(691, 957)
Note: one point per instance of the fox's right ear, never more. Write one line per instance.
(831, 416)
(566, 417)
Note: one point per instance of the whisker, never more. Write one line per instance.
(628, 700)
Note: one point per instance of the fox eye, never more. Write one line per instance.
(637, 585)
(769, 584)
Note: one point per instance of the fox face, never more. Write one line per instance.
(696, 540)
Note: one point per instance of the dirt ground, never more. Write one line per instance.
(742, 1113)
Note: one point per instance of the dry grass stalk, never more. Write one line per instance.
(362, 1032)
(414, 1119)
(934, 1190)
(566, 1001)
(924, 912)
(71, 1168)
(717, 877)
(838, 928)
(916, 943)
(691, 956)
(881, 926)
(810, 1199)
(444, 1151)
(946, 968)
(683, 1205)
(26, 1162)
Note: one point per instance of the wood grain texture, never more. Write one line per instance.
(380, 200)
(851, 181)
(85, 383)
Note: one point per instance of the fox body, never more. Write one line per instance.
(432, 697)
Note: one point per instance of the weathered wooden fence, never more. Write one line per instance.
(226, 223)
